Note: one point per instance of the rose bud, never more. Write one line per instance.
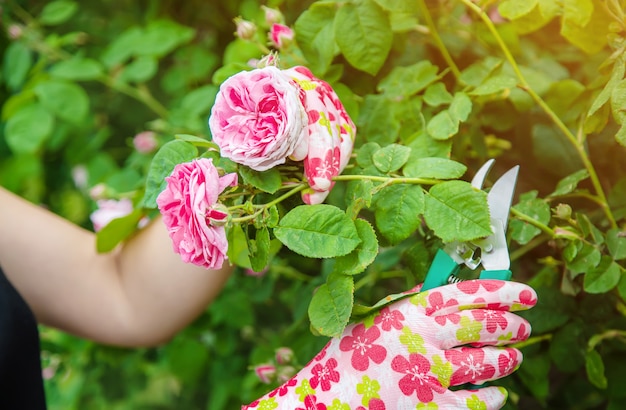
(272, 16)
(245, 29)
(284, 355)
(265, 372)
(280, 35)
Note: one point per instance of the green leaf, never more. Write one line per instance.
(268, 181)
(259, 250)
(617, 74)
(28, 129)
(356, 261)
(595, 369)
(16, 63)
(161, 37)
(587, 258)
(495, 85)
(365, 154)
(363, 34)
(534, 208)
(621, 287)
(456, 211)
(140, 70)
(616, 242)
(578, 11)
(398, 210)
(578, 34)
(391, 158)
(318, 231)
(65, 99)
(77, 69)
(436, 95)
(437, 168)
(514, 9)
(568, 346)
(442, 126)
(197, 141)
(407, 81)
(568, 184)
(602, 278)
(358, 196)
(618, 101)
(377, 122)
(331, 305)
(167, 157)
(316, 36)
(117, 230)
(200, 100)
(620, 136)
(186, 358)
(57, 12)
(460, 107)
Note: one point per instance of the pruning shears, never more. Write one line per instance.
(492, 252)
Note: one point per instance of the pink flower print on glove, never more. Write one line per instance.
(192, 215)
(331, 134)
(414, 350)
(258, 119)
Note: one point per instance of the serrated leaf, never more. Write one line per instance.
(197, 141)
(268, 181)
(616, 242)
(602, 278)
(358, 196)
(620, 136)
(578, 11)
(617, 74)
(316, 36)
(578, 35)
(318, 231)
(460, 107)
(534, 208)
(568, 184)
(377, 122)
(117, 230)
(65, 99)
(364, 155)
(595, 369)
(437, 168)
(437, 94)
(57, 12)
(77, 69)
(331, 305)
(363, 34)
(140, 70)
(456, 211)
(409, 80)
(391, 158)
(28, 129)
(618, 101)
(356, 261)
(514, 9)
(259, 250)
(495, 85)
(442, 126)
(398, 210)
(587, 258)
(172, 153)
(17, 61)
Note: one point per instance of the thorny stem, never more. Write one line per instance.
(440, 44)
(523, 217)
(389, 180)
(524, 85)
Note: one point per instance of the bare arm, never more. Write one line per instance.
(140, 294)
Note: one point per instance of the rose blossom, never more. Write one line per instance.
(145, 142)
(258, 119)
(280, 35)
(190, 209)
(108, 210)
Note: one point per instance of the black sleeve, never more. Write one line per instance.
(21, 383)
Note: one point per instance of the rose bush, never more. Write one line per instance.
(194, 218)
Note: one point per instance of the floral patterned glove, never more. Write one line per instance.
(331, 134)
(409, 354)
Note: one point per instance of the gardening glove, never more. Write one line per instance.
(330, 134)
(414, 350)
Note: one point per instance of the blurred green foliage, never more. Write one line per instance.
(535, 83)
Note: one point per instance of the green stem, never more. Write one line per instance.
(278, 200)
(531, 341)
(142, 95)
(440, 44)
(607, 334)
(524, 85)
(390, 180)
(523, 217)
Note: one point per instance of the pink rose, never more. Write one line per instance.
(190, 211)
(108, 210)
(258, 119)
(280, 35)
(145, 142)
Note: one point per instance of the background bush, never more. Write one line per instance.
(535, 83)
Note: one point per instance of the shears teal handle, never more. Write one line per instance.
(444, 266)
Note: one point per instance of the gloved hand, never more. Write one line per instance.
(331, 134)
(414, 350)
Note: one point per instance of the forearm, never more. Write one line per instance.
(139, 294)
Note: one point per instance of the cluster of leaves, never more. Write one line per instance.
(434, 87)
